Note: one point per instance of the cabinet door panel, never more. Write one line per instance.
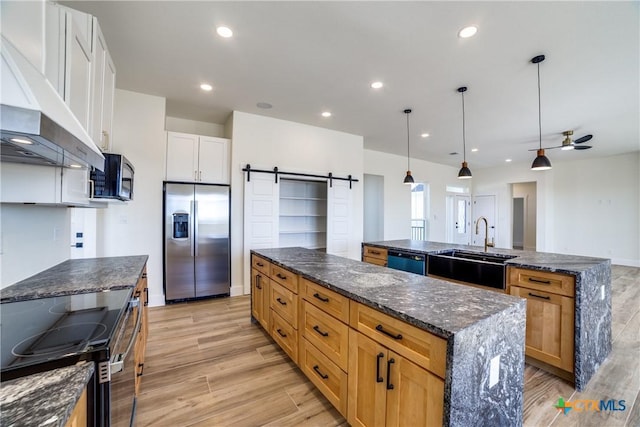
(417, 396)
(550, 331)
(182, 157)
(212, 160)
(78, 71)
(367, 381)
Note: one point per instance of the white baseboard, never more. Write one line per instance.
(237, 290)
(627, 262)
(156, 300)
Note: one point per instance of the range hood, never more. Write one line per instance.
(36, 126)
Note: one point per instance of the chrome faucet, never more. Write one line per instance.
(486, 233)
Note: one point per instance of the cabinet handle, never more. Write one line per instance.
(195, 175)
(389, 362)
(317, 369)
(379, 379)
(200, 176)
(146, 296)
(280, 276)
(280, 301)
(545, 282)
(395, 337)
(137, 294)
(144, 275)
(279, 331)
(538, 296)
(259, 264)
(374, 252)
(317, 329)
(321, 298)
(141, 367)
(258, 281)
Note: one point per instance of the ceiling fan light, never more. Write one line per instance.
(567, 147)
(541, 162)
(408, 179)
(465, 172)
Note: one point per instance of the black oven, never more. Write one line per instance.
(116, 181)
(48, 333)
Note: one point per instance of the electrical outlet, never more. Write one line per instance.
(602, 292)
(494, 371)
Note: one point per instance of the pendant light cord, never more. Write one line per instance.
(464, 142)
(408, 155)
(539, 109)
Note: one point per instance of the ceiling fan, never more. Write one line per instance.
(569, 144)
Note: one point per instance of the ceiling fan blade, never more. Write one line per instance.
(545, 148)
(582, 147)
(583, 139)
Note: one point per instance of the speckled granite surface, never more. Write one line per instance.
(592, 311)
(44, 399)
(477, 324)
(78, 276)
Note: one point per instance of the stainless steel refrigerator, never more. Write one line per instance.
(196, 241)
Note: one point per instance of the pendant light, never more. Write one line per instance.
(541, 162)
(465, 172)
(408, 179)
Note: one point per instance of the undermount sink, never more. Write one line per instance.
(479, 268)
(478, 256)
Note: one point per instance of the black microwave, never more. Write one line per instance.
(116, 182)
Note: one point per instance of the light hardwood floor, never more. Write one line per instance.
(208, 365)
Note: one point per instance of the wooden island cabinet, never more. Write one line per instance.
(376, 369)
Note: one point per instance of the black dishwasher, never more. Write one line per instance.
(406, 261)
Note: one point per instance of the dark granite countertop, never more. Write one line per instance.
(43, 399)
(438, 306)
(570, 264)
(78, 276)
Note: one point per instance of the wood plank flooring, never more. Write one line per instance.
(208, 365)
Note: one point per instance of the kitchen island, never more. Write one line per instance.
(479, 367)
(590, 295)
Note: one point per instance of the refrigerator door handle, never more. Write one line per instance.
(196, 221)
(192, 208)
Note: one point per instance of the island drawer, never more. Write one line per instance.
(327, 333)
(557, 283)
(261, 264)
(285, 277)
(325, 374)
(373, 252)
(284, 302)
(327, 300)
(417, 345)
(285, 335)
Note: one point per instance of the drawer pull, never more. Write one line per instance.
(379, 379)
(317, 329)
(280, 301)
(538, 296)
(282, 334)
(259, 264)
(320, 297)
(258, 285)
(317, 369)
(374, 252)
(395, 337)
(545, 282)
(281, 276)
(141, 367)
(146, 296)
(389, 362)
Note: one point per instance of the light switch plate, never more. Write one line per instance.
(602, 292)
(494, 371)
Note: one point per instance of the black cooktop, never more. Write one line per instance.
(47, 333)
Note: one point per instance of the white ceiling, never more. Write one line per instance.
(307, 57)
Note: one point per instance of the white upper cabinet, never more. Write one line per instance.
(103, 89)
(78, 63)
(195, 158)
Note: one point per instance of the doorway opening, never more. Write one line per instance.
(373, 197)
(420, 211)
(523, 216)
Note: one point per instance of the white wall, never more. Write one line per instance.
(135, 227)
(264, 143)
(33, 238)
(584, 207)
(397, 195)
(175, 124)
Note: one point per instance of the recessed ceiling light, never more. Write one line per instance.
(467, 32)
(326, 114)
(424, 135)
(205, 86)
(264, 105)
(376, 85)
(507, 160)
(22, 141)
(474, 149)
(224, 32)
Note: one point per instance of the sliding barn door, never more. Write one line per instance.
(339, 209)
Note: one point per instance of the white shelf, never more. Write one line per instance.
(302, 231)
(303, 198)
(303, 213)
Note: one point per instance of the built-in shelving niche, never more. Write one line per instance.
(303, 213)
